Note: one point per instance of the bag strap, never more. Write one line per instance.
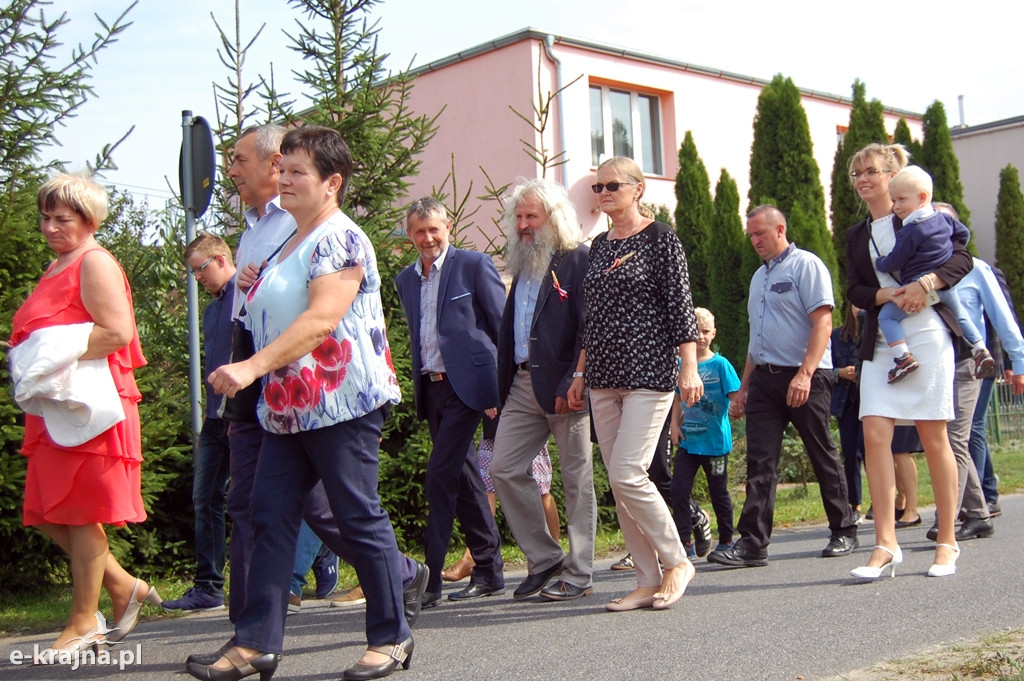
(241, 310)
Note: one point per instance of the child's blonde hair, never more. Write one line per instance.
(704, 315)
(915, 179)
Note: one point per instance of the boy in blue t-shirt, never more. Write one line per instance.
(703, 436)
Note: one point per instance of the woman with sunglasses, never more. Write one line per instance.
(924, 397)
(639, 320)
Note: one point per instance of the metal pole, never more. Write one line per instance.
(188, 202)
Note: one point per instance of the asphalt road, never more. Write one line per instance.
(801, 617)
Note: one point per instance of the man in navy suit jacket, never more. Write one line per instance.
(453, 300)
(539, 349)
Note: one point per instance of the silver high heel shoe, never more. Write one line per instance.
(130, 618)
(937, 570)
(73, 648)
(873, 573)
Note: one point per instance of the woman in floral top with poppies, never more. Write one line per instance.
(322, 352)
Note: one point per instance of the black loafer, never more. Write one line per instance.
(975, 528)
(475, 590)
(933, 532)
(533, 583)
(413, 593)
(564, 591)
(430, 600)
(839, 546)
(738, 556)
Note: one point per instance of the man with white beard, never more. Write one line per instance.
(538, 348)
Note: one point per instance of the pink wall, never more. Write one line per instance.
(481, 130)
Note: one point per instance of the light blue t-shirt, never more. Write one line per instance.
(706, 427)
(350, 374)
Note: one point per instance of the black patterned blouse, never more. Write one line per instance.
(639, 310)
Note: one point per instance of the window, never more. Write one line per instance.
(634, 120)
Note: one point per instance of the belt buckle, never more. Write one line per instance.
(435, 377)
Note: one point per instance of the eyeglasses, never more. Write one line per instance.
(611, 186)
(196, 270)
(870, 172)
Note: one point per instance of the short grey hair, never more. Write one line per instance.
(268, 138)
(425, 207)
(769, 211)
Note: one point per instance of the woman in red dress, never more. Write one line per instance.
(71, 492)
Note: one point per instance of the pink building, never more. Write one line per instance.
(615, 102)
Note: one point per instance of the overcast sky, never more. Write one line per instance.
(908, 54)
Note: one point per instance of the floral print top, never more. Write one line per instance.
(639, 310)
(350, 374)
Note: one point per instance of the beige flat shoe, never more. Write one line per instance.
(624, 604)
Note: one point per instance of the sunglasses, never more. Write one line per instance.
(611, 186)
(870, 172)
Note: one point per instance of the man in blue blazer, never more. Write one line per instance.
(453, 300)
(538, 352)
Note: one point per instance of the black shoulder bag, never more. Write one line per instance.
(242, 407)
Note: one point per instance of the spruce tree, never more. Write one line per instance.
(1010, 231)
(352, 92)
(866, 126)
(939, 159)
(729, 272)
(694, 210)
(783, 171)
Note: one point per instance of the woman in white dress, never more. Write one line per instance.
(924, 397)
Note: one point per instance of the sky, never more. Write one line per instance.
(908, 54)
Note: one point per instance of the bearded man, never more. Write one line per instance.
(539, 345)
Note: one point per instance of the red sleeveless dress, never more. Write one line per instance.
(98, 481)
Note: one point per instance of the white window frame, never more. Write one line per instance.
(653, 166)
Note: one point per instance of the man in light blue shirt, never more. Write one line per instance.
(787, 379)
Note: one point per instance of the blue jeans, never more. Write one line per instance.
(978, 443)
(209, 487)
(305, 553)
(343, 457)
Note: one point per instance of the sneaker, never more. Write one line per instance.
(294, 604)
(350, 600)
(857, 517)
(993, 510)
(624, 563)
(325, 570)
(690, 551)
(196, 600)
(984, 365)
(904, 365)
(701, 531)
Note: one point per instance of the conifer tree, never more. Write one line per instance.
(939, 159)
(901, 135)
(1010, 231)
(694, 210)
(729, 272)
(783, 171)
(866, 126)
(352, 92)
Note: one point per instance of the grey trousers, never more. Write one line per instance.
(523, 428)
(966, 389)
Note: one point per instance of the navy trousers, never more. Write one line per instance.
(345, 458)
(454, 488)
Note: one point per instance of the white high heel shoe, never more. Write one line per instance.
(937, 570)
(130, 618)
(70, 650)
(873, 573)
